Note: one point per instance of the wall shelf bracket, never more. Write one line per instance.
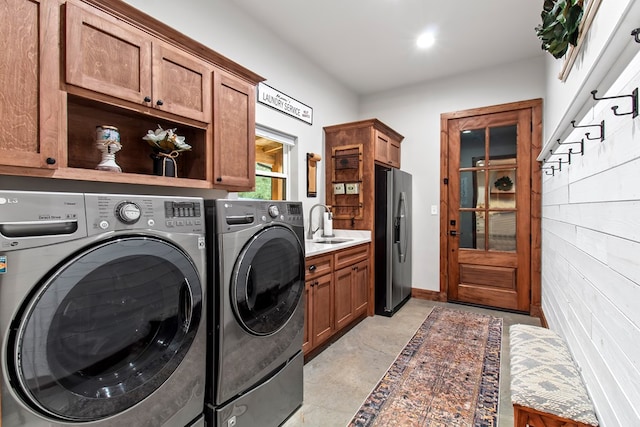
(634, 102)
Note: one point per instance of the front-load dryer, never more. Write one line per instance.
(102, 318)
(256, 270)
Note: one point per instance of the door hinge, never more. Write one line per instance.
(446, 181)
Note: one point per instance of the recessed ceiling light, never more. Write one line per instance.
(425, 40)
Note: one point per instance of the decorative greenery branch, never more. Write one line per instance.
(560, 25)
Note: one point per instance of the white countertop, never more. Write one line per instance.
(356, 237)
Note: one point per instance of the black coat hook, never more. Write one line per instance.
(551, 154)
(635, 33)
(550, 168)
(601, 126)
(634, 102)
(559, 162)
(571, 152)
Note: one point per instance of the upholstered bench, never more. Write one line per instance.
(546, 386)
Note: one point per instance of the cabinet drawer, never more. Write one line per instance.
(317, 266)
(350, 256)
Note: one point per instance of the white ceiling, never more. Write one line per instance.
(369, 45)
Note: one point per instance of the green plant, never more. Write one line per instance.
(560, 25)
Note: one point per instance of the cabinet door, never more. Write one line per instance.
(343, 290)
(234, 132)
(360, 288)
(181, 83)
(394, 153)
(306, 340)
(107, 56)
(387, 150)
(29, 83)
(382, 147)
(322, 324)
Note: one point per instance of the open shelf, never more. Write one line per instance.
(135, 156)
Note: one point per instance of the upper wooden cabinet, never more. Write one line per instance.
(387, 149)
(114, 58)
(29, 84)
(376, 143)
(234, 166)
(122, 68)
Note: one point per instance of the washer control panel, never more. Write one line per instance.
(111, 212)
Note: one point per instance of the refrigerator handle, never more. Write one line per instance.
(401, 227)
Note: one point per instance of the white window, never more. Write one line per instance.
(272, 165)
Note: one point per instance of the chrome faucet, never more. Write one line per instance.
(311, 231)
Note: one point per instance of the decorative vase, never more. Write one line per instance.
(164, 164)
(108, 142)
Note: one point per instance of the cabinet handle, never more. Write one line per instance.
(316, 283)
(312, 267)
(147, 99)
(159, 102)
(219, 179)
(51, 161)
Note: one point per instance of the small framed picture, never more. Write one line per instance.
(338, 188)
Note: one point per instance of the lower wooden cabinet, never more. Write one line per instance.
(337, 293)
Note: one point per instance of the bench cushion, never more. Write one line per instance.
(544, 376)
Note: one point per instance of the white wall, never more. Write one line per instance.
(415, 113)
(590, 226)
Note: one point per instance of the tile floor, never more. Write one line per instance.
(339, 379)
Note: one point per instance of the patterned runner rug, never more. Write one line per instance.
(446, 376)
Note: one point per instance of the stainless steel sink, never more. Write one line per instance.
(332, 241)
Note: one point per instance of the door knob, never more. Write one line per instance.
(454, 232)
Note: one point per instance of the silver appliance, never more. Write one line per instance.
(102, 317)
(256, 267)
(392, 239)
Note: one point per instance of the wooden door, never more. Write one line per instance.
(489, 209)
(29, 83)
(107, 56)
(234, 104)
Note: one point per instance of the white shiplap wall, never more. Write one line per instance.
(591, 254)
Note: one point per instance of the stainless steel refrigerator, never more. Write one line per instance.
(392, 239)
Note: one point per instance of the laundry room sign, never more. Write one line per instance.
(275, 99)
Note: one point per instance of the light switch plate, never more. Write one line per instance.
(338, 188)
(434, 209)
(352, 188)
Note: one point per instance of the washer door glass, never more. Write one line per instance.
(107, 328)
(268, 280)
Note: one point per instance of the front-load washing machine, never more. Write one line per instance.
(256, 270)
(102, 318)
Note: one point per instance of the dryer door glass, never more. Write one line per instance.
(107, 328)
(268, 280)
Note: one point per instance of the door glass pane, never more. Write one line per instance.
(471, 236)
(471, 146)
(502, 231)
(468, 189)
(502, 144)
(502, 189)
